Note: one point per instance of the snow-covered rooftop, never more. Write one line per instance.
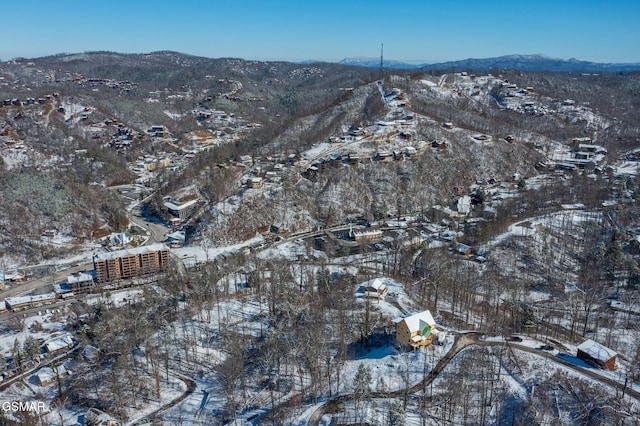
(596, 351)
(91, 353)
(377, 284)
(19, 300)
(178, 207)
(418, 321)
(136, 250)
(178, 235)
(62, 342)
(79, 277)
(47, 374)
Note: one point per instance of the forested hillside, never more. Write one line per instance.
(221, 241)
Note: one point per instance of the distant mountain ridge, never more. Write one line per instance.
(537, 62)
(375, 63)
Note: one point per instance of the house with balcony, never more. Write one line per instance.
(416, 330)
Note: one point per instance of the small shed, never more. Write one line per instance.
(276, 227)
(463, 249)
(256, 182)
(439, 144)
(411, 152)
(593, 352)
(91, 353)
(354, 159)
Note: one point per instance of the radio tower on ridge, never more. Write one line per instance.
(381, 61)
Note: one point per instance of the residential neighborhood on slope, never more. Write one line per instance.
(197, 241)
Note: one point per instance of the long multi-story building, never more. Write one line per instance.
(131, 262)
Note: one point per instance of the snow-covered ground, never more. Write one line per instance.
(191, 255)
(117, 298)
(557, 220)
(628, 168)
(47, 324)
(244, 313)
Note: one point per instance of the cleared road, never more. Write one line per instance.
(462, 341)
(18, 289)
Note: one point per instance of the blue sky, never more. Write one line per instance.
(329, 30)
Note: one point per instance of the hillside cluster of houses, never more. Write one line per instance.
(265, 170)
(13, 102)
(353, 158)
(80, 80)
(122, 137)
(147, 167)
(582, 155)
(55, 345)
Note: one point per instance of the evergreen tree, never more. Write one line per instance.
(397, 416)
(17, 353)
(31, 347)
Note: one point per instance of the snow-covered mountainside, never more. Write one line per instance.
(194, 241)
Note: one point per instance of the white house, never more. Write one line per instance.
(375, 289)
(120, 239)
(47, 375)
(464, 205)
(59, 344)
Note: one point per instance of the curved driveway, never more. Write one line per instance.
(462, 341)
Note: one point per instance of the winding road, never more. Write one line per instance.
(462, 341)
(191, 387)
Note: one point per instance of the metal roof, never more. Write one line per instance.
(596, 351)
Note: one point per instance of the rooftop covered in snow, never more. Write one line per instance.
(137, 250)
